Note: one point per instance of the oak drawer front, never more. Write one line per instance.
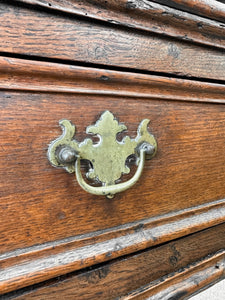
(118, 34)
(61, 227)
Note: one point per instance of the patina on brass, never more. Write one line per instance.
(107, 157)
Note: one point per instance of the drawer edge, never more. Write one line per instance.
(183, 284)
(45, 77)
(25, 267)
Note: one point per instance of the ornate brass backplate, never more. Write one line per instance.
(107, 157)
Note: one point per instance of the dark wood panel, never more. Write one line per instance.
(187, 171)
(150, 16)
(80, 40)
(118, 278)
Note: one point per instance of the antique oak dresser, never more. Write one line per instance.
(112, 148)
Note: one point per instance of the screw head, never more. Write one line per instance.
(148, 148)
(67, 155)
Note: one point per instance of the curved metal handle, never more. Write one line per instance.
(107, 157)
(110, 190)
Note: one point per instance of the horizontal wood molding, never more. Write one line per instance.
(183, 284)
(28, 75)
(38, 263)
(81, 40)
(121, 276)
(211, 9)
(152, 17)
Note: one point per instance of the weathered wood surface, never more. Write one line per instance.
(207, 8)
(78, 40)
(27, 75)
(49, 226)
(183, 284)
(55, 217)
(24, 267)
(145, 270)
(149, 16)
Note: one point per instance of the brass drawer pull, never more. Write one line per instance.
(107, 157)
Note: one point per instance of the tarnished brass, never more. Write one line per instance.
(107, 157)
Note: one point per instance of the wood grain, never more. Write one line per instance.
(104, 44)
(207, 8)
(146, 270)
(49, 226)
(49, 206)
(150, 16)
(29, 75)
(183, 285)
(24, 267)
(187, 171)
